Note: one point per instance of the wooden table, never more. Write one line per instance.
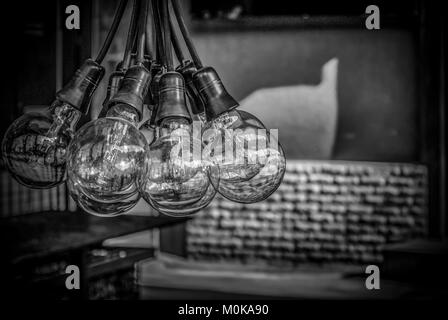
(29, 240)
(170, 277)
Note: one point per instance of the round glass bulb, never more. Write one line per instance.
(176, 181)
(235, 141)
(34, 146)
(260, 186)
(106, 156)
(251, 163)
(114, 207)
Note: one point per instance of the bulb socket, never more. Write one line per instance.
(112, 88)
(133, 88)
(172, 101)
(187, 69)
(79, 90)
(212, 92)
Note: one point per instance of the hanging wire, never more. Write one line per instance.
(112, 31)
(176, 44)
(149, 33)
(158, 33)
(167, 35)
(185, 34)
(130, 41)
(141, 32)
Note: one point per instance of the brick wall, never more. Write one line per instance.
(323, 212)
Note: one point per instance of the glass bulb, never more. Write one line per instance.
(251, 163)
(34, 146)
(236, 141)
(117, 205)
(260, 186)
(106, 156)
(176, 181)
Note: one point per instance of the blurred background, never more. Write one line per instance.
(361, 117)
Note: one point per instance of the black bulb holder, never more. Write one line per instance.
(133, 89)
(172, 101)
(212, 92)
(79, 90)
(114, 84)
(187, 70)
(112, 88)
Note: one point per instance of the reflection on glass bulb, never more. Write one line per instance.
(117, 205)
(34, 146)
(251, 163)
(260, 186)
(105, 158)
(176, 181)
(236, 142)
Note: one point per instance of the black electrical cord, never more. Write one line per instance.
(185, 34)
(141, 32)
(112, 31)
(158, 33)
(176, 44)
(149, 34)
(167, 35)
(130, 41)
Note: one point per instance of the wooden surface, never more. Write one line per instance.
(171, 277)
(39, 235)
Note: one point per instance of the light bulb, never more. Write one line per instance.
(176, 181)
(34, 146)
(106, 156)
(251, 166)
(236, 142)
(260, 186)
(117, 205)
